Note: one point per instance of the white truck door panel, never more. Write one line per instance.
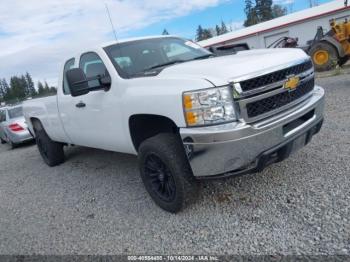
(94, 125)
(92, 119)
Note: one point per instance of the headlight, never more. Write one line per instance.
(209, 106)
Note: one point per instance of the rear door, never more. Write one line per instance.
(92, 119)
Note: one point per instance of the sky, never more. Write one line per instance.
(39, 35)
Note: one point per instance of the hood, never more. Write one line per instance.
(220, 70)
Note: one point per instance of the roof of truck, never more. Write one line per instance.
(287, 20)
(135, 39)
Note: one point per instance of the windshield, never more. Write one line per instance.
(144, 57)
(15, 112)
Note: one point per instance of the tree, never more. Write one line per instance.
(199, 33)
(217, 30)
(30, 85)
(221, 29)
(41, 89)
(5, 89)
(278, 11)
(263, 10)
(165, 32)
(24, 85)
(2, 93)
(313, 3)
(46, 88)
(251, 13)
(207, 34)
(224, 29)
(17, 85)
(53, 90)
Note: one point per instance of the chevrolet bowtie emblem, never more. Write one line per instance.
(292, 83)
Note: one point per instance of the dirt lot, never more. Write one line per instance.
(95, 203)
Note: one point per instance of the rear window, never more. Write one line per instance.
(15, 112)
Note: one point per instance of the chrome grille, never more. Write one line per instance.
(267, 79)
(263, 95)
(276, 101)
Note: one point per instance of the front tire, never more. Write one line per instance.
(51, 151)
(324, 56)
(165, 172)
(2, 141)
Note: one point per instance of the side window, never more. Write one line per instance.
(92, 65)
(68, 65)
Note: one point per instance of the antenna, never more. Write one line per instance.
(110, 19)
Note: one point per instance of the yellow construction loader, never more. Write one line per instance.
(331, 49)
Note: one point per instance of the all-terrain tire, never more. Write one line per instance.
(167, 150)
(51, 151)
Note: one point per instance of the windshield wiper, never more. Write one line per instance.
(177, 62)
(204, 56)
(165, 64)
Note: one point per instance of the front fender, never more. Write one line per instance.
(161, 97)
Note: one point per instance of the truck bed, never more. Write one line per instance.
(46, 110)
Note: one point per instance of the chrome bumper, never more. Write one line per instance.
(238, 147)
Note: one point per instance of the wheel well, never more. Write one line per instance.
(36, 124)
(144, 126)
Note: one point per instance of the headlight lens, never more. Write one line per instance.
(209, 106)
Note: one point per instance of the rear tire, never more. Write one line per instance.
(13, 145)
(51, 151)
(324, 56)
(2, 141)
(166, 173)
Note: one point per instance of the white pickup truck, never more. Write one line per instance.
(187, 114)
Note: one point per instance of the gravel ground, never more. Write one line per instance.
(95, 203)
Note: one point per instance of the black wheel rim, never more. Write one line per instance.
(160, 178)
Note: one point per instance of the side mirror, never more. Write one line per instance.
(79, 84)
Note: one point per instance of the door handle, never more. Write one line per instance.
(80, 104)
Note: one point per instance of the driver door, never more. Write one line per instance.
(91, 119)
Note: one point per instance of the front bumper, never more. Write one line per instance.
(241, 148)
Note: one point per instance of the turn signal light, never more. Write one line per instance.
(188, 101)
(191, 118)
